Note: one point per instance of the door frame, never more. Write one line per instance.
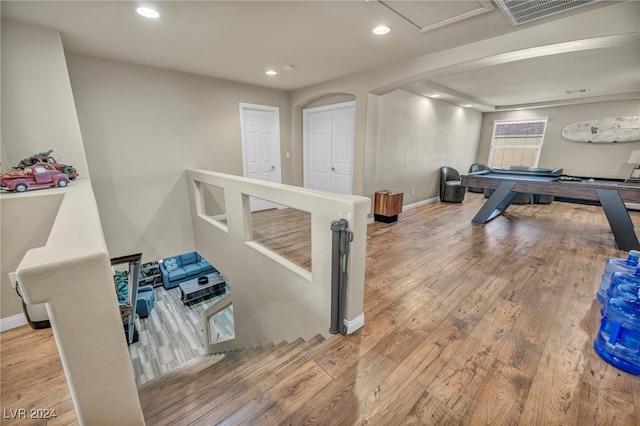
(305, 133)
(277, 160)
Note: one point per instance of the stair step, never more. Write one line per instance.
(232, 413)
(154, 392)
(204, 389)
(216, 390)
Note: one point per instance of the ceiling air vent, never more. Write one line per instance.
(520, 12)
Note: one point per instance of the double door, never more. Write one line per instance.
(328, 147)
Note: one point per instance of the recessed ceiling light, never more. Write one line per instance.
(435, 95)
(381, 30)
(271, 72)
(148, 13)
(466, 106)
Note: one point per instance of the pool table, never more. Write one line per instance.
(610, 193)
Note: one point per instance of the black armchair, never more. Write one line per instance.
(476, 167)
(451, 189)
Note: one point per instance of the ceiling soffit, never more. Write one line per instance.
(540, 76)
(418, 18)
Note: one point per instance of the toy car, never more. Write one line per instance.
(45, 157)
(36, 176)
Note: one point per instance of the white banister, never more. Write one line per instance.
(274, 299)
(72, 275)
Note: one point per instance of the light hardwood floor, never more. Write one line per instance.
(465, 325)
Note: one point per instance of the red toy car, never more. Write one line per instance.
(36, 176)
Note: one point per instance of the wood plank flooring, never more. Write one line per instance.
(285, 231)
(465, 324)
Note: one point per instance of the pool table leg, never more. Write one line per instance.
(497, 203)
(619, 219)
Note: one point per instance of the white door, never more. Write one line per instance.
(319, 150)
(328, 147)
(260, 127)
(342, 150)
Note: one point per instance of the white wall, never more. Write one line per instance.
(142, 128)
(26, 221)
(38, 112)
(576, 158)
(417, 136)
(5, 164)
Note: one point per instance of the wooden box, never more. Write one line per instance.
(387, 205)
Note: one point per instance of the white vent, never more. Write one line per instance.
(520, 12)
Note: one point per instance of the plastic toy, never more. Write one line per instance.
(45, 157)
(36, 176)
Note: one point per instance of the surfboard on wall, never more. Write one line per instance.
(606, 130)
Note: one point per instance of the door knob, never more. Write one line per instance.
(333, 169)
(273, 167)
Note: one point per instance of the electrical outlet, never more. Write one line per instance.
(413, 191)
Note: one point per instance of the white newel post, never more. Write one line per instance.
(86, 323)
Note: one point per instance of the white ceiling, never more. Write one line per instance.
(325, 40)
(554, 75)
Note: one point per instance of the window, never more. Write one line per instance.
(517, 142)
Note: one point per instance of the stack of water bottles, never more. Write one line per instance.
(618, 340)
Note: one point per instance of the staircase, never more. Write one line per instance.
(268, 384)
(249, 377)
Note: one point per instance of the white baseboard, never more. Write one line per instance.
(12, 322)
(354, 324)
(420, 203)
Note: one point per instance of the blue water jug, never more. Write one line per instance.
(616, 265)
(627, 291)
(622, 278)
(618, 340)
